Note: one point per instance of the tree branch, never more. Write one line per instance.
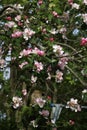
(12, 7)
(70, 47)
(75, 74)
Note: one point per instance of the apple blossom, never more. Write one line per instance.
(62, 62)
(83, 41)
(85, 2)
(55, 14)
(10, 24)
(40, 2)
(23, 64)
(28, 33)
(73, 105)
(40, 102)
(8, 18)
(18, 18)
(58, 50)
(37, 51)
(71, 122)
(58, 76)
(38, 65)
(17, 102)
(84, 16)
(70, 2)
(33, 79)
(44, 113)
(25, 52)
(16, 34)
(24, 92)
(75, 6)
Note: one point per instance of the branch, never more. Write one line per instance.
(12, 7)
(75, 74)
(7, 13)
(70, 47)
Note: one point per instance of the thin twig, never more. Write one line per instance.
(75, 74)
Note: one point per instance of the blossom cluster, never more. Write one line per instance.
(26, 33)
(83, 41)
(39, 51)
(27, 52)
(17, 102)
(73, 105)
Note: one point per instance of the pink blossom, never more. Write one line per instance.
(24, 92)
(18, 18)
(23, 64)
(40, 2)
(51, 39)
(70, 2)
(55, 14)
(59, 76)
(10, 24)
(16, 34)
(38, 65)
(44, 113)
(20, 23)
(48, 97)
(83, 41)
(25, 52)
(8, 18)
(62, 62)
(40, 102)
(37, 51)
(71, 122)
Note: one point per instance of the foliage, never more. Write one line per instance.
(44, 45)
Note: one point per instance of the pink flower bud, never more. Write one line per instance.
(83, 41)
(8, 18)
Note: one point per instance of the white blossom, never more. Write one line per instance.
(73, 105)
(85, 2)
(53, 31)
(28, 33)
(17, 102)
(75, 5)
(58, 50)
(84, 16)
